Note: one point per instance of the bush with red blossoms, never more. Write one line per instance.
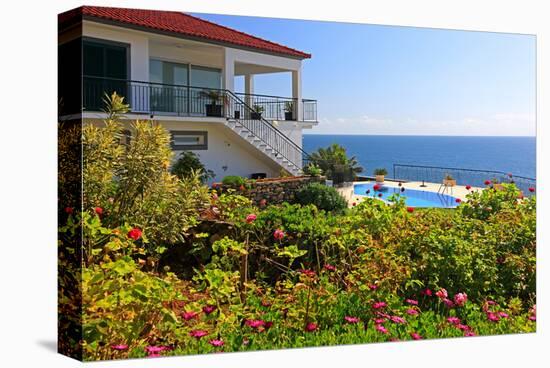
(460, 299)
(135, 233)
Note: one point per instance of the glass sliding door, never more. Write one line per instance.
(169, 87)
(205, 80)
(105, 69)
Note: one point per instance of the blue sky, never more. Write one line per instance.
(371, 79)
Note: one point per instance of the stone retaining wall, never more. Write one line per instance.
(277, 190)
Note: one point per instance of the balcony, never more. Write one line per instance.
(179, 100)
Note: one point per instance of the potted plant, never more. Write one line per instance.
(213, 109)
(289, 110)
(380, 173)
(257, 113)
(449, 181)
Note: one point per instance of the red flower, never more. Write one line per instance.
(376, 187)
(189, 315)
(354, 204)
(251, 218)
(308, 273)
(135, 233)
(278, 234)
(532, 190)
(487, 182)
(468, 187)
(458, 200)
(310, 327)
(442, 294)
(268, 325)
(69, 210)
(98, 211)
(329, 267)
(426, 292)
(410, 209)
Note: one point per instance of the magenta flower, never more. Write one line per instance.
(397, 319)
(416, 336)
(412, 312)
(441, 293)
(254, 323)
(533, 318)
(460, 299)
(469, 333)
(462, 327)
(379, 320)
(152, 350)
(207, 309)
(373, 286)
(250, 218)
(449, 303)
(278, 234)
(329, 267)
(119, 347)
(381, 329)
(310, 327)
(411, 301)
(453, 320)
(379, 305)
(503, 315)
(216, 343)
(426, 292)
(197, 334)
(493, 317)
(189, 315)
(351, 320)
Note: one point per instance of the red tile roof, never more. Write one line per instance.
(176, 23)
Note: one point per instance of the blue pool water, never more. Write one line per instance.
(413, 197)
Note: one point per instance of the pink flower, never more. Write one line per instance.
(412, 312)
(493, 317)
(410, 209)
(310, 327)
(254, 323)
(411, 301)
(135, 233)
(351, 320)
(426, 292)
(119, 347)
(189, 315)
(329, 267)
(532, 190)
(449, 303)
(381, 329)
(469, 333)
(453, 320)
(458, 200)
(379, 305)
(217, 343)
(460, 299)
(441, 293)
(155, 350)
(197, 334)
(532, 318)
(207, 309)
(503, 315)
(397, 319)
(379, 320)
(468, 187)
(278, 234)
(462, 327)
(416, 336)
(373, 286)
(251, 218)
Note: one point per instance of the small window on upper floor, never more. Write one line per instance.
(189, 140)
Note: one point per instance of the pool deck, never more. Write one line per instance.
(458, 191)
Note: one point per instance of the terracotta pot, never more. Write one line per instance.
(379, 178)
(449, 182)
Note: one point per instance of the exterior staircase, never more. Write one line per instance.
(262, 135)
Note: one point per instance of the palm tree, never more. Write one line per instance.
(335, 163)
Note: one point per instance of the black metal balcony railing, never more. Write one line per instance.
(163, 99)
(180, 100)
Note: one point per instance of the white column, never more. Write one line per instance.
(249, 88)
(297, 93)
(229, 70)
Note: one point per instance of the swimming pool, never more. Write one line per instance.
(413, 197)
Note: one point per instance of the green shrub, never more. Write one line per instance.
(234, 181)
(312, 170)
(188, 163)
(323, 197)
(380, 171)
(335, 163)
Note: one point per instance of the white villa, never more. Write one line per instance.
(180, 71)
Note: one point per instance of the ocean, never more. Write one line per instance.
(515, 155)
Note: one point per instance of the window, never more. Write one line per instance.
(189, 140)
